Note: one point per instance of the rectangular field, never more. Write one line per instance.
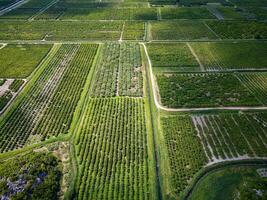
(231, 55)
(60, 30)
(119, 71)
(180, 30)
(203, 90)
(239, 29)
(186, 13)
(111, 146)
(46, 106)
(166, 57)
(18, 61)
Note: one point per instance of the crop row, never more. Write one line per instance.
(119, 72)
(48, 107)
(232, 136)
(186, 156)
(111, 147)
(257, 83)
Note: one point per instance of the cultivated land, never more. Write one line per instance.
(134, 100)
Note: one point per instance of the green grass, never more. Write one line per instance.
(203, 90)
(186, 13)
(224, 184)
(18, 61)
(229, 56)
(180, 30)
(172, 57)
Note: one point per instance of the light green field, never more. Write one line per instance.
(18, 61)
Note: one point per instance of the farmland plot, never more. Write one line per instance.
(196, 141)
(180, 30)
(186, 156)
(18, 61)
(111, 14)
(231, 56)
(203, 90)
(112, 150)
(119, 72)
(239, 29)
(51, 99)
(232, 136)
(60, 30)
(257, 83)
(186, 13)
(133, 31)
(172, 57)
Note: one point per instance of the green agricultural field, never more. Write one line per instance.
(172, 57)
(111, 14)
(230, 13)
(60, 30)
(119, 71)
(194, 141)
(133, 30)
(203, 90)
(218, 133)
(185, 154)
(186, 13)
(180, 30)
(132, 99)
(104, 139)
(18, 61)
(231, 182)
(56, 86)
(231, 55)
(239, 29)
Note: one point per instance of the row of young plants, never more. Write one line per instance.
(196, 141)
(230, 136)
(111, 147)
(257, 83)
(185, 153)
(48, 107)
(119, 71)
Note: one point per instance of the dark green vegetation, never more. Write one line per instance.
(203, 90)
(4, 99)
(18, 61)
(232, 183)
(30, 176)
